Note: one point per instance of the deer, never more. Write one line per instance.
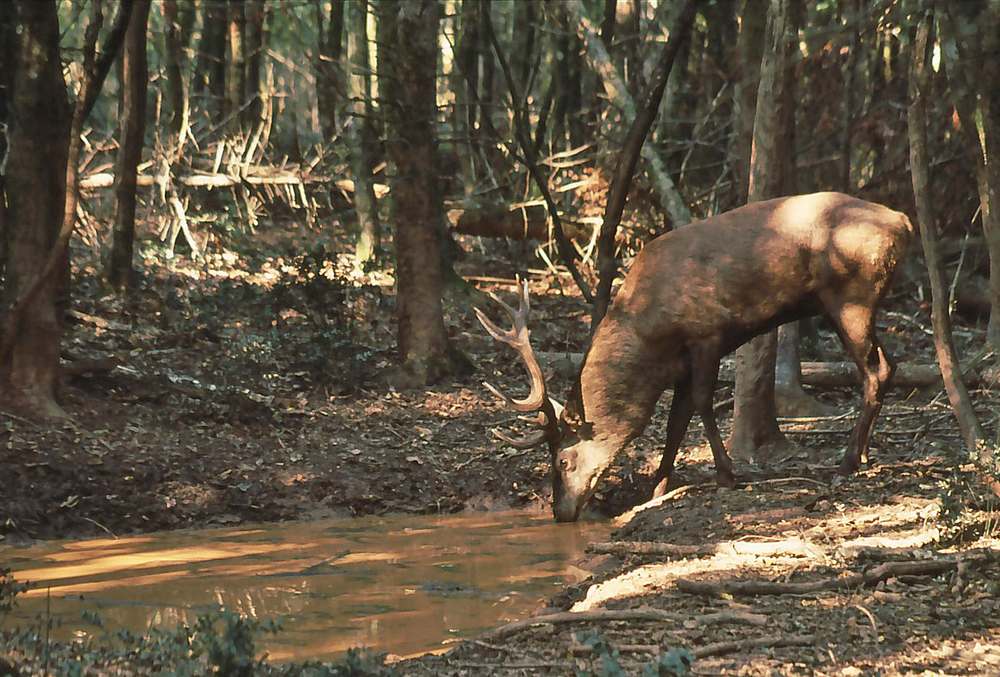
(692, 296)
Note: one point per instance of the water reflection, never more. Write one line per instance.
(398, 584)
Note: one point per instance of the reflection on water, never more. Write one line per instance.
(399, 584)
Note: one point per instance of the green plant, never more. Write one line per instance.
(9, 590)
(672, 663)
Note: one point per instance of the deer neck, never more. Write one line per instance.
(621, 379)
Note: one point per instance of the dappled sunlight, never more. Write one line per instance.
(652, 578)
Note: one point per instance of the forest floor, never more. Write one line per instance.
(255, 385)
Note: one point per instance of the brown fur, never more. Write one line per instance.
(697, 293)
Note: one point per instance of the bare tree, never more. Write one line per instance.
(408, 81)
(944, 344)
(132, 114)
(210, 72)
(359, 133)
(755, 428)
(975, 32)
(329, 77)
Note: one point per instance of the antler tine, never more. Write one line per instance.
(518, 338)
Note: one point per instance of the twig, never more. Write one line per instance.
(98, 524)
(640, 614)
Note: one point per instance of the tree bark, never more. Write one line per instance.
(38, 135)
(210, 75)
(755, 429)
(329, 76)
(627, 161)
(132, 114)
(173, 57)
(975, 31)
(750, 48)
(235, 68)
(944, 345)
(38, 280)
(367, 246)
(254, 13)
(7, 38)
(410, 73)
(616, 90)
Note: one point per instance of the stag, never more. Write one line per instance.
(694, 295)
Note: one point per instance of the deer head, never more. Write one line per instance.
(578, 458)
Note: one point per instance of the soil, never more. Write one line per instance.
(255, 385)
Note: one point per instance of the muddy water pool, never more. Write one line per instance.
(404, 585)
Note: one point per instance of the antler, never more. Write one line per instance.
(537, 400)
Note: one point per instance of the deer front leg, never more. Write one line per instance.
(681, 410)
(705, 374)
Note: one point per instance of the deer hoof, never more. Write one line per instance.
(848, 466)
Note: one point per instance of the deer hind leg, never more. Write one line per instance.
(855, 324)
(705, 374)
(681, 410)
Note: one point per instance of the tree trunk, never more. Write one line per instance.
(944, 345)
(235, 69)
(750, 50)
(523, 42)
(975, 30)
(607, 262)
(424, 348)
(358, 132)
(173, 57)
(210, 75)
(755, 429)
(254, 12)
(329, 76)
(467, 94)
(615, 88)
(132, 114)
(7, 38)
(36, 181)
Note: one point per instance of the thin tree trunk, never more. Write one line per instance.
(755, 429)
(329, 76)
(132, 115)
(173, 59)
(629, 158)
(210, 74)
(944, 346)
(977, 99)
(358, 131)
(7, 38)
(410, 71)
(254, 12)
(467, 93)
(235, 74)
(669, 196)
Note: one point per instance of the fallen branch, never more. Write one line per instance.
(795, 547)
(257, 176)
(640, 614)
(716, 649)
(818, 374)
(767, 642)
(870, 577)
